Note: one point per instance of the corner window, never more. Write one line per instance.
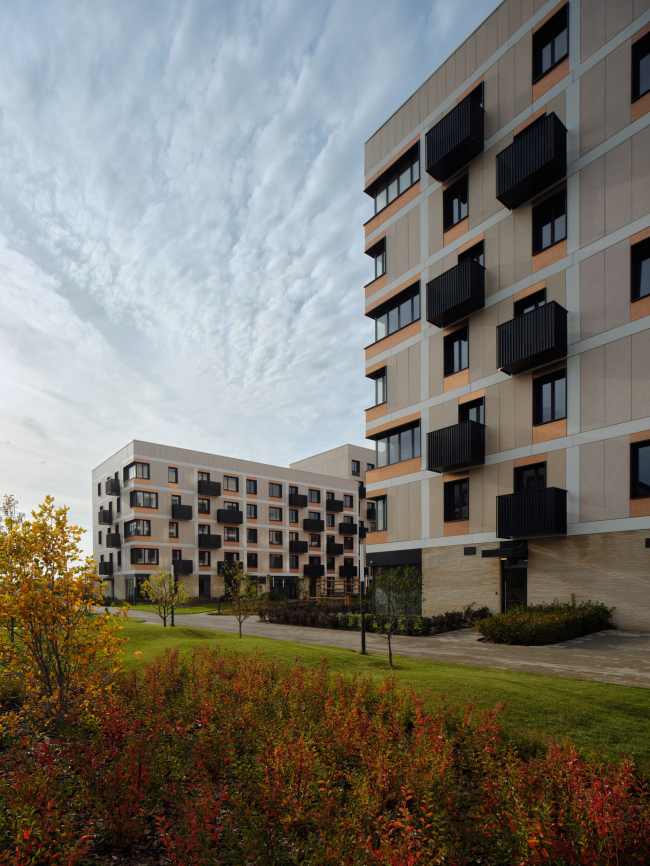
(136, 470)
(456, 351)
(457, 500)
(137, 527)
(275, 513)
(549, 397)
(549, 222)
(293, 515)
(379, 377)
(641, 67)
(231, 483)
(398, 446)
(397, 313)
(251, 536)
(550, 44)
(204, 557)
(275, 490)
(275, 560)
(172, 475)
(475, 252)
(144, 556)
(530, 303)
(251, 511)
(530, 477)
(173, 529)
(143, 499)
(204, 506)
(641, 270)
(370, 467)
(454, 203)
(231, 533)
(314, 495)
(473, 410)
(251, 560)
(401, 177)
(356, 467)
(640, 470)
(251, 486)
(348, 501)
(275, 536)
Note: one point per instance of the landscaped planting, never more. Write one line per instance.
(546, 623)
(228, 758)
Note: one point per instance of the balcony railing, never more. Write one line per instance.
(297, 500)
(532, 163)
(105, 569)
(371, 513)
(334, 549)
(362, 490)
(209, 541)
(113, 539)
(456, 139)
(456, 294)
(298, 547)
(181, 512)
(533, 512)
(310, 525)
(105, 517)
(347, 571)
(333, 505)
(230, 516)
(113, 487)
(209, 488)
(183, 566)
(363, 531)
(531, 340)
(310, 570)
(456, 447)
(347, 528)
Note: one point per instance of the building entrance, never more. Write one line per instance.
(514, 583)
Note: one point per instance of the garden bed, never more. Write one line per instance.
(542, 624)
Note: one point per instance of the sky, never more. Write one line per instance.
(181, 212)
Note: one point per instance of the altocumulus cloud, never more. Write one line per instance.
(180, 223)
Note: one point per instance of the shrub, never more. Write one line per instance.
(545, 623)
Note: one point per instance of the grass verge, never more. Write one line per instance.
(197, 608)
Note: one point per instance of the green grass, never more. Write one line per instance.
(198, 608)
(598, 717)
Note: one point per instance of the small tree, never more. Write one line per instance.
(397, 592)
(241, 592)
(164, 593)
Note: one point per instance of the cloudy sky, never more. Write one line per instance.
(181, 223)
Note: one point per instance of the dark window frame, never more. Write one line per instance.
(547, 35)
(203, 505)
(273, 508)
(635, 491)
(233, 532)
(459, 335)
(640, 50)
(454, 490)
(547, 212)
(410, 162)
(227, 479)
(520, 471)
(205, 555)
(388, 317)
(465, 410)
(639, 253)
(476, 252)
(251, 511)
(251, 535)
(294, 517)
(273, 536)
(150, 551)
(139, 465)
(134, 496)
(529, 303)
(251, 486)
(128, 533)
(458, 190)
(172, 474)
(538, 384)
(276, 560)
(172, 533)
(381, 508)
(273, 487)
(356, 468)
(416, 450)
(348, 500)
(252, 560)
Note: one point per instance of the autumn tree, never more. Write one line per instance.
(164, 592)
(52, 644)
(397, 592)
(241, 592)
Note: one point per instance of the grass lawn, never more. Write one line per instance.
(197, 608)
(598, 717)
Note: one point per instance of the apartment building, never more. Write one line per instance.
(510, 241)
(156, 506)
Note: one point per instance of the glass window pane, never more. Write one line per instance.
(546, 235)
(464, 354)
(406, 444)
(547, 394)
(416, 170)
(381, 327)
(560, 228)
(416, 306)
(644, 278)
(546, 57)
(392, 190)
(405, 179)
(405, 313)
(644, 470)
(380, 265)
(380, 199)
(463, 208)
(393, 448)
(393, 320)
(560, 398)
(382, 452)
(560, 45)
(644, 74)
(416, 442)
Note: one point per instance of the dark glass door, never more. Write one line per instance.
(204, 587)
(514, 584)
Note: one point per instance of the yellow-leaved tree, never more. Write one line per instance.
(56, 654)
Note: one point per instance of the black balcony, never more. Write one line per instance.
(105, 517)
(209, 488)
(362, 532)
(531, 340)
(532, 163)
(230, 516)
(105, 568)
(310, 570)
(333, 549)
(533, 512)
(371, 513)
(209, 541)
(113, 539)
(362, 490)
(298, 547)
(457, 447)
(181, 512)
(297, 500)
(183, 566)
(113, 487)
(333, 505)
(456, 294)
(310, 525)
(456, 139)
(347, 571)
(347, 528)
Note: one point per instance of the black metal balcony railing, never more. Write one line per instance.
(183, 566)
(362, 490)
(362, 532)
(310, 525)
(230, 516)
(456, 294)
(347, 528)
(113, 487)
(310, 570)
(105, 568)
(334, 549)
(209, 541)
(347, 571)
(456, 139)
(371, 513)
(105, 517)
(534, 339)
(298, 547)
(333, 505)
(297, 500)
(532, 163)
(181, 512)
(113, 539)
(456, 447)
(533, 512)
(209, 488)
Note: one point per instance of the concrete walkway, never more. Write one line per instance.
(621, 657)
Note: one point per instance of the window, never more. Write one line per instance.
(549, 222)
(99, 489)
(401, 177)
(275, 560)
(348, 542)
(293, 515)
(251, 536)
(472, 411)
(99, 536)
(204, 529)
(231, 556)
(231, 533)
(229, 506)
(641, 67)
(293, 491)
(314, 540)
(380, 386)
(381, 514)
(119, 558)
(329, 496)
(231, 483)
(275, 513)
(143, 499)
(144, 555)
(348, 501)
(294, 561)
(251, 486)
(137, 527)
(118, 504)
(294, 536)
(176, 500)
(331, 563)
(173, 529)
(454, 203)
(347, 518)
(172, 475)
(370, 467)
(399, 446)
(251, 511)
(475, 252)
(314, 495)
(275, 536)
(136, 470)
(457, 500)
(378, 254)
(204, 557)
(456, 351)
(640, 470)
(641, 270)
(177, 555)
(275, 490)
(314, 515)
(356, 467)
(204, 476)
(549, 397)
(251, 560)
(204, 506)
(397, 313)
(550, 44)
(530, 303)
(329, 519)
(530, 477)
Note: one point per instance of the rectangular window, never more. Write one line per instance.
(275, 513)
(456, 351)
(204, 476)
(399, 446)
(530, 477)
(397, 313)
(231, 533)
(314, 515)
(381, 514)
(177, 555)
(347, 518)
(294, 536)
(293, 515)
(119, 558)
(472, 411)
(229, 506)
(99, 536)
(293, 491)
(549, 222)
(314, 495)
(314, 540)
(401, 177)
(251, 536)
(173, 529)
(275, 490)
(475, 252)
(143, 499)
(118, 506)
(231, 483)
(550, 44)
(137, 527)
(454, 203)
(275, 560)
(380, 388)
(231, 556)
(251, 560)
(204, 529)
(204, 557)
(348, 542)
(144, 556)
(457, 500)
(136, 470)
(172, 474)
(370, 467)
(329, 519)
(251, 486)
(294, 561)
(251, 511)
(640, 470)
(641, 67)
(356, 467)
(275, 536)
(331, 563)
(549, 397)
(176, 500)
(641, 270)
(348, 501)
(99, 489)
(530, 303)
(204, 506)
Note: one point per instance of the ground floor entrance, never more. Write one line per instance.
(514, 584)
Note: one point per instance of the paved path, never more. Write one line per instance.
(621, 657)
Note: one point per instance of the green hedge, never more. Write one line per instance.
(545, 623)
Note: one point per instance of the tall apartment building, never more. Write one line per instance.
(511, 299)
(156, 506)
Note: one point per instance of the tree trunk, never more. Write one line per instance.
(239, 621)
(390, 649)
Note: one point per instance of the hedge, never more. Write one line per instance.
(546, 623)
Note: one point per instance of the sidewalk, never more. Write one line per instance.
(621, 657)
